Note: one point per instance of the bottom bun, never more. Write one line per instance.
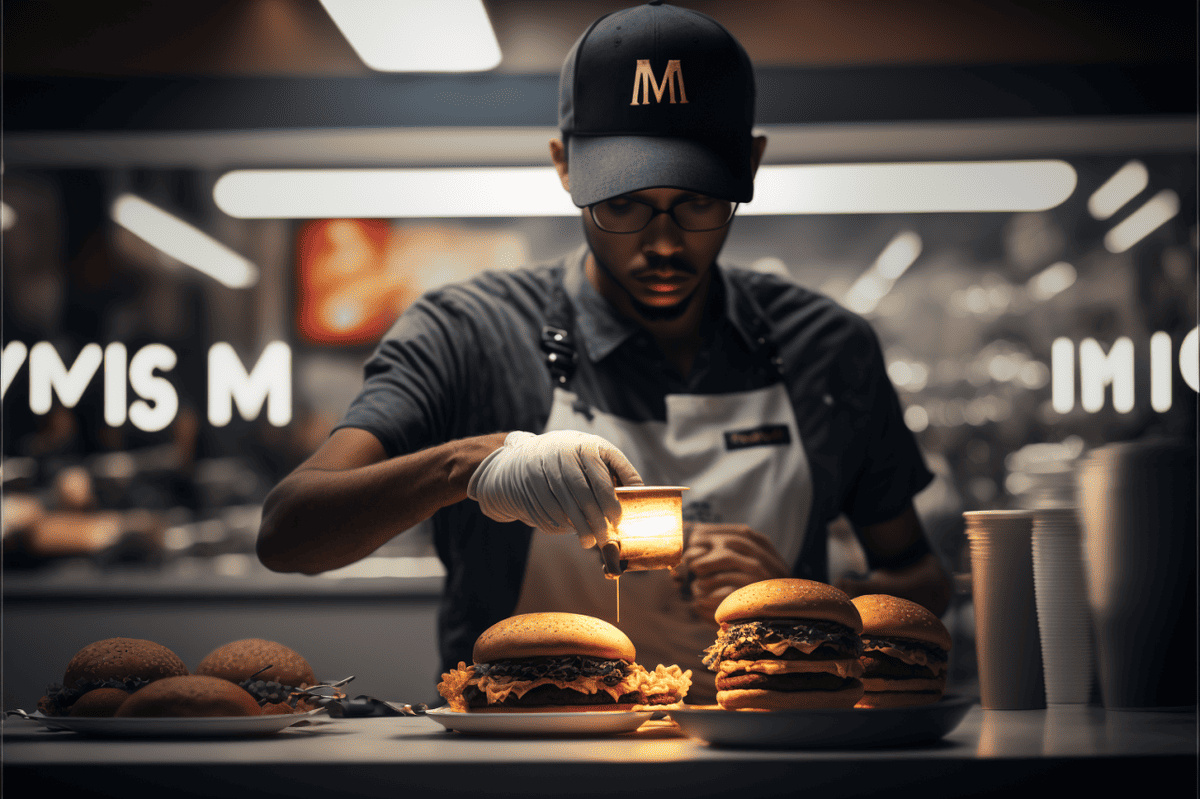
(554, 709)
(762, 699)
(881, 699)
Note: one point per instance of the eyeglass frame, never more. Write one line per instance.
(656, 211)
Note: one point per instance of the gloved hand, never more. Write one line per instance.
(560, 481)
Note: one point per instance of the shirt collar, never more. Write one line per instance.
(601, 328)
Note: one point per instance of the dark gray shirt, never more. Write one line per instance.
(467, 359)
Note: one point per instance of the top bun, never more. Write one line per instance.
(552, 634)
(789, 598)
(119, 658)
(189, 696)
(238, 660)
(890, 616)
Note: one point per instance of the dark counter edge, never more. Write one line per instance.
(27, 588)
(746, 778)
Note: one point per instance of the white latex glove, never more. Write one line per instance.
(559, 482)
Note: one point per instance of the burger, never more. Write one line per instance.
(104, 673)
(189, 696)
(905, 652)
(786, 644)
(558, 662)
(273, 673)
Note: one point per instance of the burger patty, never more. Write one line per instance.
(790, 681)
(547, 695)
(749, 640)
(564, 668)
(906, 645)
(877, 664)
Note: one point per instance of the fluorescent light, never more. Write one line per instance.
(1142, 222)
(183, 242)
(8, 217)
(536, 191)
(898, 255)
(873, 284)
(392, 193)
(946, 187)
(1125, 184)
(1051, 280)
(418, 35)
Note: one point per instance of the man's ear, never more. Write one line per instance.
(756, 152)
(558, 154)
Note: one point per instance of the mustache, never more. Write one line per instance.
(658, 263)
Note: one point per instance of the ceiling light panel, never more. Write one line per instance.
(418, 35)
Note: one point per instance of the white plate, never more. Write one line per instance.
(210, 727)
(598, 722)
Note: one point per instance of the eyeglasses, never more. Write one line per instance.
(695, 214)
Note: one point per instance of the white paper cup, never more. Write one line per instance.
(1064, 618)
(1006, 630)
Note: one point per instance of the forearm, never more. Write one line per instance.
(924, 582)
(317, 519)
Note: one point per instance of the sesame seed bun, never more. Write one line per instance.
(238, 660)
(789, 598)
(531, 635)
(100, 703)
(187, 697)
(119, 658)
(892, 617)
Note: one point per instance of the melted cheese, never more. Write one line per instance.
(916, 657)
(843, 668)
(670, 681)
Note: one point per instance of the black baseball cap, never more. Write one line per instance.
(657, 96)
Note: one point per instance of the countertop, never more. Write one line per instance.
(1071, 749)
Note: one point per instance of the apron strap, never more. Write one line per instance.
(558, 342)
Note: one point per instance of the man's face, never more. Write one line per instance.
(656, 271)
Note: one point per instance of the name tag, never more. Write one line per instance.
(769, 435)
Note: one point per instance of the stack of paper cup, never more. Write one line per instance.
(1006, 628)
(1064, 618)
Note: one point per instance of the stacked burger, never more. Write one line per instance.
(787, 644)
(558, 662)
(905, 652)
(102, 675)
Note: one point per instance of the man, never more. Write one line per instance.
(636, 359)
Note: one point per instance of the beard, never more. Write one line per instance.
(654, 313)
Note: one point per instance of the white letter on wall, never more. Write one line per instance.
(48, 375)
(10, 361)
(1096, 371)
(270, 380)
(151, 387)
(1062, 375)
(115, 360)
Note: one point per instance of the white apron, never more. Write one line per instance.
(714, 444)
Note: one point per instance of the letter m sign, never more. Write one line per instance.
(644, 80)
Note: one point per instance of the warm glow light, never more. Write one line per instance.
(872, 285)
(1142, 222)
(1051, 280)
(8, 217)
(1097, 371)
(536, 191)
(651, 526)
(183, 242)
(418, 35)
(1125, 184)
(1189, 359)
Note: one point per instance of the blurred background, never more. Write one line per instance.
(189, 296)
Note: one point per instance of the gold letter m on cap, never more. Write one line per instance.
(644, 79)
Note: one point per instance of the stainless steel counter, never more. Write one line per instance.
(1060, 751)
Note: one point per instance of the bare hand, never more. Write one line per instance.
(720, 558)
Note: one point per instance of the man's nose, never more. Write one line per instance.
(663, 236)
